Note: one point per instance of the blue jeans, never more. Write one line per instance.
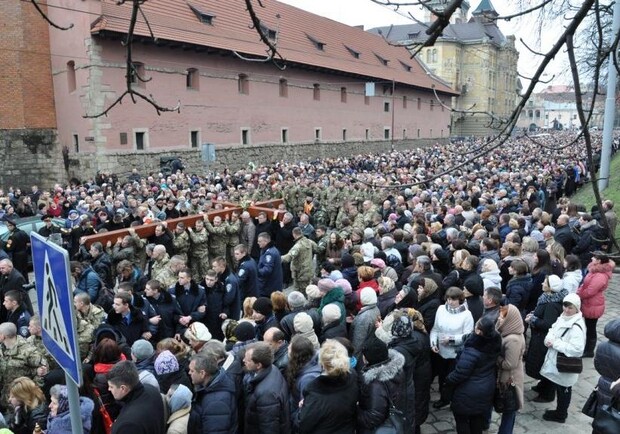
(508, 422)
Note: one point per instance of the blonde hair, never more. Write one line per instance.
(386, 284)
(459, 257)
(27, 392)
(334, 359)
(247, 307)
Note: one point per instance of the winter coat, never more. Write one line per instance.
(418, 371)
(335, 329)
(476, 306)
(593, 287)
(587, 243)
(474, 376)
(606, 361)
(189, 302)
(300, 256)
(214, 408)
(385, 302)
(380, 386)
(308, 373)
(330, 405)
(170, 378)
(138, 325)
(267, 403)
(178, 422)
(247, 273)
(269, 271)
(142, 412)
(363, 325)
(287, 323)
(547, 311)
(572, 280)
(569, 337)
(566, 237)
(491, 278)
(428, 308)
(89, 282)
(61, 423)
(518, 291)
(457, 326)
(510, 360)
(23, 421)
(336, 296)
(167, 307)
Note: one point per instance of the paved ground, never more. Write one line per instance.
(530, 419)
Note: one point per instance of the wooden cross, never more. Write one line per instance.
(270, 207)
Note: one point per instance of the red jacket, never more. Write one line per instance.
(592, 289)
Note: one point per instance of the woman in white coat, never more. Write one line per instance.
(567, 335)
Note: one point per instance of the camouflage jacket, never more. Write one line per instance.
(200, 243)
(300, 257)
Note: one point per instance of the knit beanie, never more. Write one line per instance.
(375, 351)
(326, 285)
(335, 275)
(181, 398)
(555, 283)
(263, 306)
(303, 322)
(345, 285)
(475, 285)
(63, 400)
(313, 291)
(166, 363)
(245, 331)
(347, 260)
(197, 331)
(402, 327)
(368, 296)
(296, 300)
(378, 263)
(331, 313)
(574, 300)
(142, 349)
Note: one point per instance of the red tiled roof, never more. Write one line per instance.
(174, 20)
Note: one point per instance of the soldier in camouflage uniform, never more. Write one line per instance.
(181, 240)
(17, 359)
(89, 317)
(300, 256)
(36, 339)
(368, 211)
(199, 251)
(232, 231)
(322, 238)
(218, 238)
(165, 269)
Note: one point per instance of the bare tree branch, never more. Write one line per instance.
(46, 18)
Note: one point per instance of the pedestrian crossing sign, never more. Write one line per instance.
(55, 303)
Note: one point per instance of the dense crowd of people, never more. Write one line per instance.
(381, 275)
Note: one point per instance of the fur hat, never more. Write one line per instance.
(368, 296)
(166, 363)
(375, 351)
(197, 331)
(574, 300)
(330, 313)
(142, 349)
(313, 291)
(555, 283)
(326, 285)
(263, 306)
(245, 331)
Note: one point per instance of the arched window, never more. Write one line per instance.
(428, 56)
(71, 75)
(434, 55)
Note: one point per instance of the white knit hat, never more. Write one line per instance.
(331, 313)
(368, 296)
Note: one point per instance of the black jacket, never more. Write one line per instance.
(133, 331)
(380, 385)
(330, 405)
(214, 408)
(167, 307)
(606, 361)
(266, 403)
(336, 329)
(142, 412)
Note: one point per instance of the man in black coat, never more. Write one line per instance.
(142, 409)
(564, 234)
(214, 408)
(18, 247)
(266, 393)
(12, 280)
(128, 320)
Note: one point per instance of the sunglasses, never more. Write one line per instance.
(567, 304)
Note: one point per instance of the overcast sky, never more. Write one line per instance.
(369, 14)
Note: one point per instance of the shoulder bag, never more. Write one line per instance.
(591, 404)
(565, 364)
(607, 419)
(395, 422)
(505, 397)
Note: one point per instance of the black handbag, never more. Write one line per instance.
(589, 407)
(571, 365)
(395, 422)
(505, 398)
(607, 419)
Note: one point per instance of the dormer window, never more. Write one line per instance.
(353, 52)
(204, 17)
(405, 66)
(271, 34)
(317, 44)
(383, 60)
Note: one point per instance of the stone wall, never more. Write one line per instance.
(30, 156)
(84, 166)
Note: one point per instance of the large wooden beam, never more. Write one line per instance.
(224, 210)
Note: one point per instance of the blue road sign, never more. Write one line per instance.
(55, 300)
